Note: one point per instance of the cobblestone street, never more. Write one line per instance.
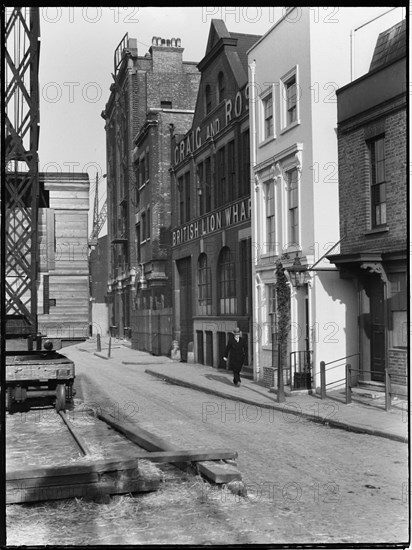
(306, 483)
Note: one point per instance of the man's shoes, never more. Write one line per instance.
(236, 384)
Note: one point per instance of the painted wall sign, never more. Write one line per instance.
(194, 139)
(221, 219)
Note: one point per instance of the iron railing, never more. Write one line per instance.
(348, 380)
(301, 369)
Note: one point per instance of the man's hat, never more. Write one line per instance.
(237, 331)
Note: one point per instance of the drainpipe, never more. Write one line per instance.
(254, 198)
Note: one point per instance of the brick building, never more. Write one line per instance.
(372, 134)
(211, 240)
(149, 94)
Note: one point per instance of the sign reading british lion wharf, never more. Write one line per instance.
(225, 217)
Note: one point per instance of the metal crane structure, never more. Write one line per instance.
(20, 187)
(99, 218)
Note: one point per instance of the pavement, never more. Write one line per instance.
(363, 415)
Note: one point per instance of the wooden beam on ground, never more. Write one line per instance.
(211, 470)
(91, 479)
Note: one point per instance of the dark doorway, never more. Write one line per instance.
(209, 348)
(200, 347)
(377, 316)
(186, 320)
(221, 343)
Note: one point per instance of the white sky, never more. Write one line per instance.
(76, 62)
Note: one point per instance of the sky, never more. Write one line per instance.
(76, 62)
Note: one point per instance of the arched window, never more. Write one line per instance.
(220, 87)
(204, 283)
(226, 282)
(208, 99)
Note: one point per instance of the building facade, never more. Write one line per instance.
(149, 93)
(294, 72)
(372, 143)
(211, 210)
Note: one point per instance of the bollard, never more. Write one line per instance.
(348, 384)
(388, 400)
(99, 344)
(322, 380)
(110, 347)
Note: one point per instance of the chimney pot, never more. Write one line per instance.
(173, 42)
(154, 41)
(178, 42)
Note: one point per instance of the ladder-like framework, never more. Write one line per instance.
(20, 188)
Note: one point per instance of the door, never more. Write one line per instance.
(186, 317)
(377, 316)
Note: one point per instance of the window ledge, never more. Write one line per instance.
(290, 126)
(377, 230)
(266, 141)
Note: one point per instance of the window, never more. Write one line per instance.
(270, 218)
(226, 282)
(398, 325)
(143, 226)
(200, 189)
(232, 171)
(221, 176)
(208, 186)
(138, 255)
(289, 87)
(147, 173)
(267, 116)
(181, 200)
(208, 99)
(148, 222)
(142, 173)
(187, 197)
(184, 198)
(291, 103)
(204, 283)
(220, 87)
(377, 179)
(166, 104)
(292, 186)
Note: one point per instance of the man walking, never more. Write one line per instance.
(235, 354)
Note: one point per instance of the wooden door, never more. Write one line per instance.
(377, 317)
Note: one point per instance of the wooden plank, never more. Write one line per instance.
(219, 472)
(190, 455)
(141, 437)
(148, 441)
(20, 493)
(73, 469)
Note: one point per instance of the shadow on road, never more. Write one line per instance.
(222, 379)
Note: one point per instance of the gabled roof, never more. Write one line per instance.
(390, 46)
(235, 45)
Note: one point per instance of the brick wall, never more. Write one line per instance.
(397, 366)
(354, 184)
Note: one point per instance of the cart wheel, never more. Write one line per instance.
(60, 397)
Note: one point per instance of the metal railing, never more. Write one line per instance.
(301, 369)
(323, 370)
(348, 380)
